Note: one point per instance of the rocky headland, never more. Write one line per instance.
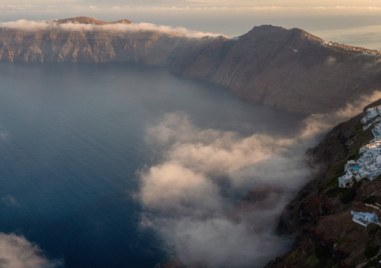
(287, 69)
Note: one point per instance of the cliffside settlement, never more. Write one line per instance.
(369, 163)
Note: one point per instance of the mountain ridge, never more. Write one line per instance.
(287, 69)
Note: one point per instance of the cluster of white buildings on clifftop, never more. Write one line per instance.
(369, 163)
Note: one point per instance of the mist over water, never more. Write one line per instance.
(117, 165)
(126, 166)
(83, 150)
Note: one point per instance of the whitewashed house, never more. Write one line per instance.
(371, 114)
(369, 163)
(364, 218)
(373, 145)
(346, 181)
(376, 131)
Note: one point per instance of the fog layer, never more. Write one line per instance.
(192, 193)
(29, 25)
(17, 252)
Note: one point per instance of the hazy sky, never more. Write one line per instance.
(350, 19)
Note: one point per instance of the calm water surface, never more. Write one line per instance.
(71, 142)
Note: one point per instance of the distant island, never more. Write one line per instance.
(287, 69)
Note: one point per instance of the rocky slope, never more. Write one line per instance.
(320, 216)
(287, 69)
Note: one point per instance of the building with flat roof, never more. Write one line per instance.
(364, 218)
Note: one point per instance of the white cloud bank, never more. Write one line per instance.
(191, 196)
(17, 252)
(29, 25)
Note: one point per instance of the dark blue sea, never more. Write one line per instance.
(72, 139)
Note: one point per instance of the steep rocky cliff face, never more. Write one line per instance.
(287, 69)
(58, 44)
(319, 217)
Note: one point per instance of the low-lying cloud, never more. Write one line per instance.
(17, 252)
(192, 195)
(28, 25)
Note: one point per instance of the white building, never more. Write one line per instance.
(346, 181)
(369, 163)
(364, 218)
(371, 114)
(373, 145)
(376, 131)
